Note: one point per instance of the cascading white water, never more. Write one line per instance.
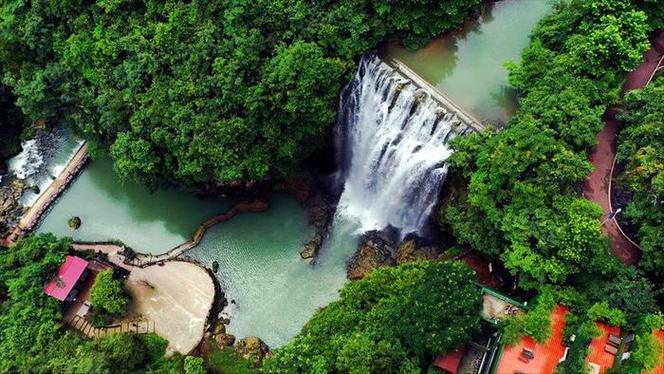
(392, 143)
(41, 160)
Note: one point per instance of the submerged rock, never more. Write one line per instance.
(74, 222)
(252, 348)
(215, 266)
(375, 250)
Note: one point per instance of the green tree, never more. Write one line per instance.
(205, 91)
(522, 204)
(194, 365)
(107, 294)
(641, 149)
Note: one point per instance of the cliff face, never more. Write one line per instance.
(11, 126)
(10, 206)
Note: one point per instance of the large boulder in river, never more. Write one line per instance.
(375, 250)
(252, 348)
(411, 250)
(224, 340)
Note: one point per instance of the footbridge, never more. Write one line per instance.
(446, 104)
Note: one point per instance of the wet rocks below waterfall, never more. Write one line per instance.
(378, 249)
(320, 209)
(11, 209)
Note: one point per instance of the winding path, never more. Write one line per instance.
(597, 186)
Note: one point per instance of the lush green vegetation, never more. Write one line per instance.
(32, 338)
(641, 149)
(391, 320)
(108, 297)
(536, 323)
(201, 91)
(228, 360)
(647, 350)
(522, 204)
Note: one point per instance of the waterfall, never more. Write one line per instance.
(41, 160)
(392, 147)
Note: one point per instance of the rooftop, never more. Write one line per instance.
(68, 274)
(449, 362)
(545, 356)
(659, 369)
(598, 354)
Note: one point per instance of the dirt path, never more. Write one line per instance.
(597, 186)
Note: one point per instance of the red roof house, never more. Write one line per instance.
(449, 362)
(545, 356)
(70, 272)
(599, 357)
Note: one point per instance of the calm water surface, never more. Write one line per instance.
(469, 65)
(275, 291)
(148, 222)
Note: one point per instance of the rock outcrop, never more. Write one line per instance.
(320, 210)
(252, 348)
(375, 250)
(11, 209)
(411, 250)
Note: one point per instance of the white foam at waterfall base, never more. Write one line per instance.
(393, 141)
(27, 162)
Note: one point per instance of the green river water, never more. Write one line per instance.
(276, 292)
(468, 66)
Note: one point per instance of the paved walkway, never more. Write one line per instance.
(176, 298)
(597, 186)
(54, 190)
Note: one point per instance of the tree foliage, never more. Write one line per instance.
(388, 321)
(641, 149)
(107, 294)
(201, 91)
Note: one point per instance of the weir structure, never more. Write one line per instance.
(435, 94)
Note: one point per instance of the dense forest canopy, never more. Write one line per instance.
(200, 91)
(641, 148)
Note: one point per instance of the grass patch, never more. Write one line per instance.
(228, 361)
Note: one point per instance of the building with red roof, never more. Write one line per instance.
(659, 369)
(71, 272)
(545, 357)
(602, 354)
(449, 362)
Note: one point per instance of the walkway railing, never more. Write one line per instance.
(30, 219)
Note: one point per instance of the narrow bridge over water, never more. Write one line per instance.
(443, 100)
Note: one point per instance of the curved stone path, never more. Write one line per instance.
(597, 186)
